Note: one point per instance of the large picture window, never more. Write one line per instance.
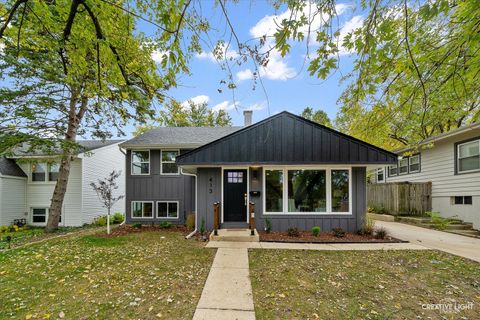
(340, 191)
(468, 156)
(307, 191)
(142, 209)
(169, 165)
(167, 209)
(274, 190)
(140, 162)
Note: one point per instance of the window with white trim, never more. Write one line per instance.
(393, 170)
(380, 175)
(53, 169)
(414, 164)
(307, 190)
(142, 209)
(140, 162)
(468, 156)
(169, 166)
(403, 166)
(39, 171)
(462, 200)
(167, 209)
(39, 215)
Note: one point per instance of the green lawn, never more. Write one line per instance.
(148, 275)
(291, 284)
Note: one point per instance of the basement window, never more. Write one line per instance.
(460, 200)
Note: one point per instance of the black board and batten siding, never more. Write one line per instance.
(156, 187)
(286, 139)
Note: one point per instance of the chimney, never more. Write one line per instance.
(247, 116)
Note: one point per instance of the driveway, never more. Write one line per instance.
(452, 243)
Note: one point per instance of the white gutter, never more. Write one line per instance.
(196, 202)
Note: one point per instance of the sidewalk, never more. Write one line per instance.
(432, 239)
(316, 246)
(228, 292)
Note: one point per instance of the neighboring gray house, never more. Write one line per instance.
(27, 181)
(298, 174)
(451, 162)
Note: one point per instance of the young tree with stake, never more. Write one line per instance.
(105, 189)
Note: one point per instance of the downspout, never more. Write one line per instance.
(196, 202)
(125, 213)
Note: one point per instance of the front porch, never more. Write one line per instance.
(238, 235)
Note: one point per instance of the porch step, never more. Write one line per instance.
(413, 220)
(468, 233)
(238, 235)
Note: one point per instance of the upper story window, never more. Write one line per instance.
(468, 156)
(169, 166)
(405, 165)
(53, 169)
(39, 171)
(381, 175)
(140, 162)
(414, 163)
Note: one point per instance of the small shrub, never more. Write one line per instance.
(368, 227)
(100, 221)
(381, 233)
(338, 232)
(371, 210)
(202, 226)
(439, 222)
(117, 218)
(190, 223)
(293, 232)
(316, 231)
(268, 225)
(165, 224)
(137, 225)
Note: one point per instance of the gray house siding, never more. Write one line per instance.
(156, 187)
(209, 191)
(286, 139)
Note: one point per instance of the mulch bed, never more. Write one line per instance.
(323, 237)
(128, 229)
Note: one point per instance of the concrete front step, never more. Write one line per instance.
(413, 220)
(465, 226)
(236, 235)
(468, 233)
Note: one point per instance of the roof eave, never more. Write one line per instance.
(160, 146)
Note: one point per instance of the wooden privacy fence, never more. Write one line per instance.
(401, 198)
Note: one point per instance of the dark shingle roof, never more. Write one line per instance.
(87, 145)
(179, 136)
(9, 167)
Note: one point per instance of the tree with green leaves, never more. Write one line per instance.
(318, 116)
(81, 68)
(176, 114)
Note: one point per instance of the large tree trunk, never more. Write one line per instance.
(74, 120)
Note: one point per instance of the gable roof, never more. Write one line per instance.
(86, 145)
(286, 138)
(188, 137)
(442, 136)
(8, 167)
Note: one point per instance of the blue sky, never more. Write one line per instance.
(288, 86)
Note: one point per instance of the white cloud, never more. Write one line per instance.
(228, 54)
(276, 69)
(224, 105)
(197, 100)
(349, 26)
(158, 56)
(244, 75)
(257, 106)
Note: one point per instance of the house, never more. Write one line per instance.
(296, 172)
(451, 162)
(27, 181)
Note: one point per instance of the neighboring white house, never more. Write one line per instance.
(451, 161)
(28, 193)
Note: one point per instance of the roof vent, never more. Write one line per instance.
(247, 116)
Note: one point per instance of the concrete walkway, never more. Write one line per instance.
(228, 292)
(432, 239)
(316, 246)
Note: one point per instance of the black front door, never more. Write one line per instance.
(235, 195)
